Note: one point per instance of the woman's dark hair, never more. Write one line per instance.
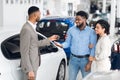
(104, 24)
(82, 14)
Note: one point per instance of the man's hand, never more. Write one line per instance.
(91, 46)
(88, 66)
(91, 58)
(58, 44)
(31, 75)
(54, 37)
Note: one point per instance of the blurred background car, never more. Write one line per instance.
(115, 55)
(56, 25)
(53, 59)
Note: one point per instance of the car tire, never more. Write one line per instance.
(61, 71)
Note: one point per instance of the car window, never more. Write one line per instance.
(116, 46)
(51, 27)
(47, 49)
(11, 47)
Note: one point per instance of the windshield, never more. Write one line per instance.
(51, 27)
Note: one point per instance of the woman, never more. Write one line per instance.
(103, 47)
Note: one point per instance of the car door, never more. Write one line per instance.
(51, 57)
(11, 51)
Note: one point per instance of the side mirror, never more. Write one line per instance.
(48, 49)
(52, 48)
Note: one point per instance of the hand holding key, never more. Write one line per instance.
(54, 37)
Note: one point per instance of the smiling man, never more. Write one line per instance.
(29, 45)
(79, 38)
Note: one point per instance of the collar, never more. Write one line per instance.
(85, 28)
(104, 35)
(33, 25)
(82, 29)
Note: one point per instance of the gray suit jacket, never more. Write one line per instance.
(29, 45)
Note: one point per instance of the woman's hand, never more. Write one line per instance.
(92, 58)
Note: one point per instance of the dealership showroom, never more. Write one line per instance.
(59, 39)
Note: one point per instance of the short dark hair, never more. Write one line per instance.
(104, 24)
(82, 14)
(32, 9)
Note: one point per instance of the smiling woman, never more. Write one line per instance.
(103, 47)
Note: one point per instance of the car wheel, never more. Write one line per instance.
(61, 71)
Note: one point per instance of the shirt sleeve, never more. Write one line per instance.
(93, 40)
(67, 42)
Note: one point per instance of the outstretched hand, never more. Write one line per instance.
(54, 37)
(58, 44)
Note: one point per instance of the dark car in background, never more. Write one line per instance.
(115, 55)
(49, 26)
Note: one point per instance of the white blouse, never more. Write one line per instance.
(102, 54)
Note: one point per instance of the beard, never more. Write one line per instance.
(80, 25)
(37, 19)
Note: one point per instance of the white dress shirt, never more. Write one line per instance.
(33, 25)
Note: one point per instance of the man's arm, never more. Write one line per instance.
(67, 42)
(46, 42)
(93, 40)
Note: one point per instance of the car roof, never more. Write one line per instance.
(69, 20)
(58, 18)
(8, 33)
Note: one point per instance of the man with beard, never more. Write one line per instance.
(29, 45)
(82, 40)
